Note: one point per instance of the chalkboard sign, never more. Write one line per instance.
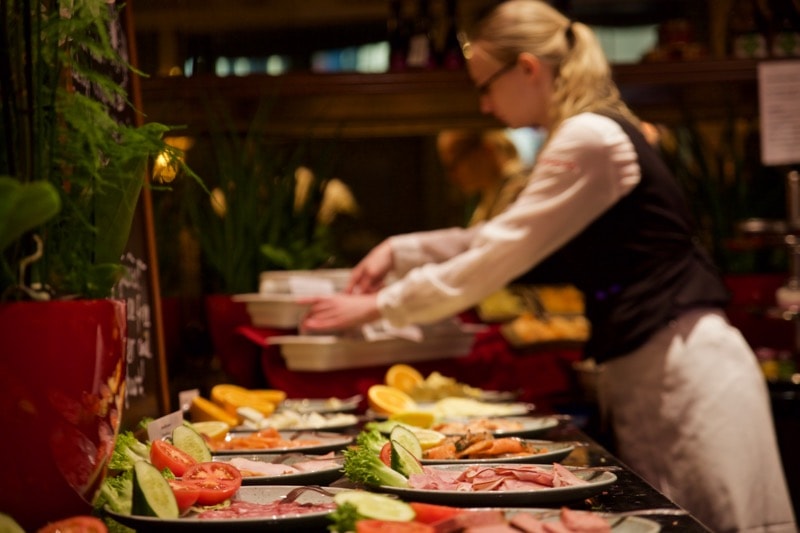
(147, 385)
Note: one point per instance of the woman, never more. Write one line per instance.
(689, 407)
(485, 164)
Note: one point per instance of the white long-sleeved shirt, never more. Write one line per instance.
(587, 166)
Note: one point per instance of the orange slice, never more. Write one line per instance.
(387, 400)
(202, 410)
(403, 377)
(269, 395)
(231, 397)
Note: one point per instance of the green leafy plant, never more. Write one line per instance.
(72, 165)
(718, 168)
(257, 217)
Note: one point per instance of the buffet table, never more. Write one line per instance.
(629, 494)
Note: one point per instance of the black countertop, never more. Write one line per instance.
(629, 493)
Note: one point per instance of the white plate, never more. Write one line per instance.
(529, 425)
(553, 453)
(619, 524)
(287, 281)
(316, 521)
(471, 408)
(498, 396)
(296, 421)
(323, 476)
(321, 405)
(321, 353)
(327, 442)
(597, 481)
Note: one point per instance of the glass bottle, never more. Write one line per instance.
(747, 30)
(397, 36)
(451, 56)
(420, 54)
(785, 35)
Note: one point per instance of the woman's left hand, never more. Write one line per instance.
(339, 312)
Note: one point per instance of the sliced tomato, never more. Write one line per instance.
(186, 493)
(428, 513)
(165, 455)
(386, 454)
(217, 481)
(388, 526)
(76, 524)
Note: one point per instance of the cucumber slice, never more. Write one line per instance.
(404, 461)
(191, 442)
(408, 439)
(152, 495)
(376, 506)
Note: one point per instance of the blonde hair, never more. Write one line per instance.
(462, 142)
(582, 74)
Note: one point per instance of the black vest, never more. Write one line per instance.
(639, 264)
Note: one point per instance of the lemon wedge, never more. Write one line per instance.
(428, 438)
(213, 429)
(420, 419)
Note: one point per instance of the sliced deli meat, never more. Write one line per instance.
(495, 478)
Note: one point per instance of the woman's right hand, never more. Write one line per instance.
(368, 275)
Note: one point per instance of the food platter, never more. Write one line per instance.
(618, 523)
(313, 521)
(318, 442)
(329, 471)
(321, 405)
(596, 481)
(302, 421)
(471, 407)
(511, 426)
(498, 396)
(552, 452)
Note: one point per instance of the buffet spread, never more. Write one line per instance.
(427, 454)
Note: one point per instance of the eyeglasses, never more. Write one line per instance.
(483, 88)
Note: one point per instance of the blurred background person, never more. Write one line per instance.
(487, 167)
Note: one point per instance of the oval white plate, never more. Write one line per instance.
(326, 442)
(315, 521)
(554, 452)
(596, 482)
(317, 477)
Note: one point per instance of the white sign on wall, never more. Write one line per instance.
(779, 109)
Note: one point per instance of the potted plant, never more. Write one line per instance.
(267, 211)
(71, 171)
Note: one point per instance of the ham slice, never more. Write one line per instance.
(495, 478)
(250, 468)
(563, 477)
(469, 521)
(584, 521)
(527, 523)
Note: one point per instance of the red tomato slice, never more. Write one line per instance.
(186, 493)
(76, 524)
(217, 481)
(386, 454)
(388, 526)
(428, 513)
(165, 455)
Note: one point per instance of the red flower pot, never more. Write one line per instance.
(62, 376)
(239, 358)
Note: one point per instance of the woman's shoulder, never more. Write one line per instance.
(590, 123)
(591, 130)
